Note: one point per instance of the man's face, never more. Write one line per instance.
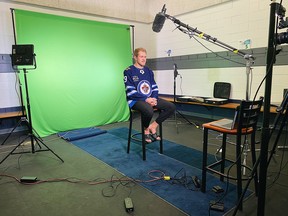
(141, 58)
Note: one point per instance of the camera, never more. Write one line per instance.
(282, 38)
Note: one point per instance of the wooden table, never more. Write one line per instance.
(14, 114)
(224, 106)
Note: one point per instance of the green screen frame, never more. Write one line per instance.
(78, 81)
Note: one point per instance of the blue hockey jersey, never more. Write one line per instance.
(140, 84)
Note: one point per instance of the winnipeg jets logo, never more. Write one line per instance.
(144, 88)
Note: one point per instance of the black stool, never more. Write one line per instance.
(143, 135)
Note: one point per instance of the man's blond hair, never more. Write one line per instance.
(137, 50)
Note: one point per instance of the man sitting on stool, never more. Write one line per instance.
(142, 95)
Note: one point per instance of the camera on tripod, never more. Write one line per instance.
(283, 23)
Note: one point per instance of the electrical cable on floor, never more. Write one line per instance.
(114, 183)
(122, 180)
(79, 180)
(187, 181)
(110, 191)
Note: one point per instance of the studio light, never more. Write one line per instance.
(22, 55)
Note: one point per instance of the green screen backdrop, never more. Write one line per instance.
(78, 81)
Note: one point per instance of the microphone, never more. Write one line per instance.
(159, 20)
(175, 70)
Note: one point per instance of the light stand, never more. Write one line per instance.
(20, 60)
(249, 63)
(175, 77)
(174, 96)
(20, 89)
(265, 135)
(174, 99)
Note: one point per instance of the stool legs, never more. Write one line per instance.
(143, 142)
(253, 153)
(204, 160)
(161, 141)
(239, 171)
(223, 156)
(130, 131)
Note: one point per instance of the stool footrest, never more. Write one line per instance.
(142, 139)
(210, 168)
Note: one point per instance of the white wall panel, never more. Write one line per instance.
(200, 82)
(9, 90)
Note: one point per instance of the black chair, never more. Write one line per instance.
(247, 118)
(130, 136)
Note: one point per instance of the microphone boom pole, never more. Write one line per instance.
(195, 31)
(159, 22)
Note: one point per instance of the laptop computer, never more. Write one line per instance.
(225, 123)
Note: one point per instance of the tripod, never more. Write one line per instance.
(174, 100)
(33, 139)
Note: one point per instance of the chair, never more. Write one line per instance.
(142, 135)
(247, 118)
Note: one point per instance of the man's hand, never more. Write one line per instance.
(151, 101)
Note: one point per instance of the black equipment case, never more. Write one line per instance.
(221, 93)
